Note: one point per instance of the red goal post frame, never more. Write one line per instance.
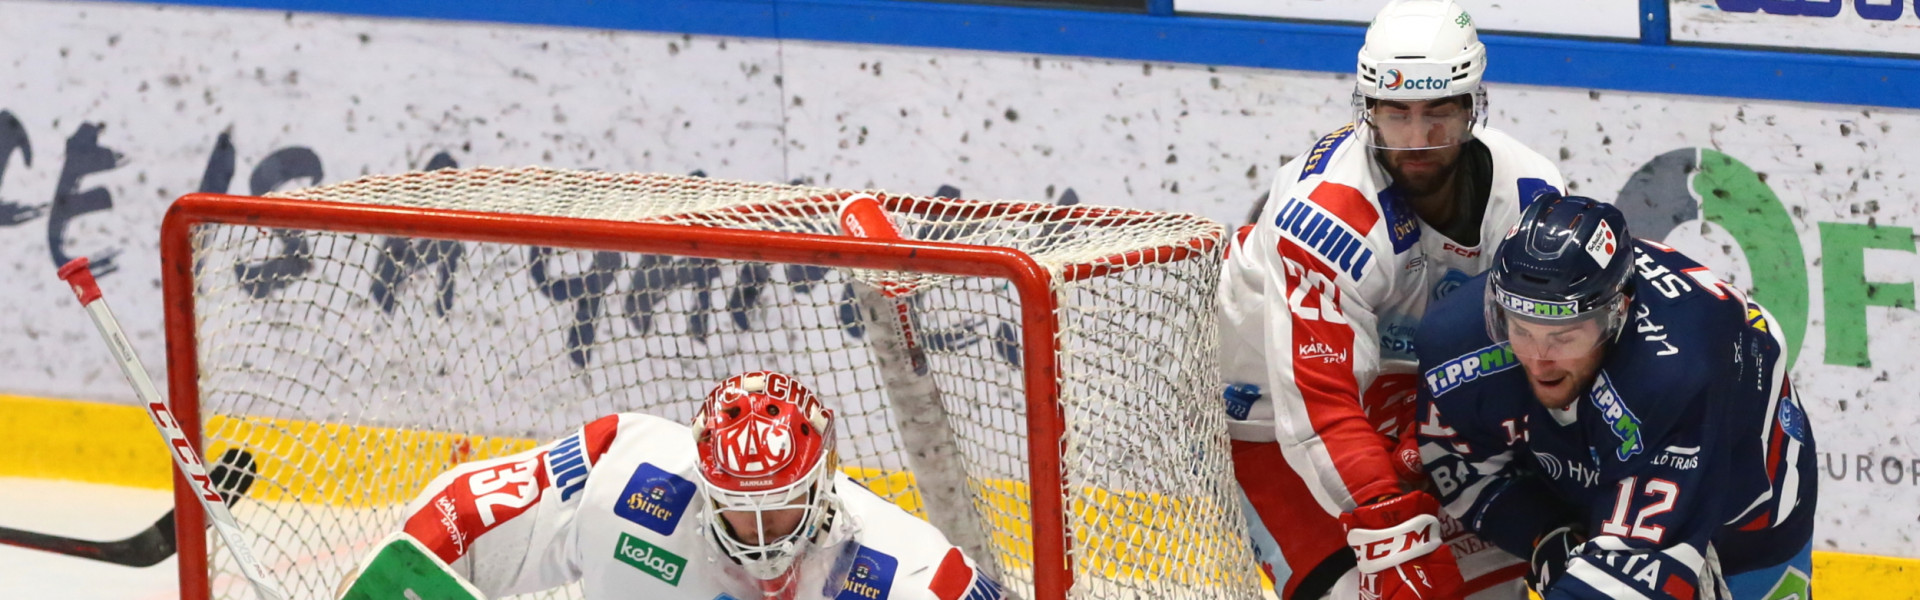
(1052, 576)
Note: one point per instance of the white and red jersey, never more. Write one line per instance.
(616, 508)
(1320, 300)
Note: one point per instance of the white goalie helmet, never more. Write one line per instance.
(1420, 50)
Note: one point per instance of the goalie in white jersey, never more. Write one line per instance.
(749, 503)
(1319, 303)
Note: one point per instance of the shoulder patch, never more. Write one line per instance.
(1323, 149)
(1793, 418)
(956, 581)
(1403, 228)
(1614, 410)
(1334, 222)
(1450, 375)
(871, 577)
(655, 499)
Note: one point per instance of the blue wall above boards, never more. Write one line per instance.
(1156, 33)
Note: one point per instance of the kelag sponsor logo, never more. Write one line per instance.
(1470, 366)
(655, 499)
(650, 559)
(1613, 409)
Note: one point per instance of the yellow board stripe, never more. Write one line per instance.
(115, 444)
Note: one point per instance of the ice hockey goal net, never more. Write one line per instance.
(362, 337)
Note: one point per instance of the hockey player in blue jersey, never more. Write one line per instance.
(1609, 408)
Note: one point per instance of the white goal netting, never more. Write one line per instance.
(357, 366)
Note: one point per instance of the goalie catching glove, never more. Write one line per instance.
(1399, 547)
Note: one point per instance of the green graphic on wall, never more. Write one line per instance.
(1697, 183)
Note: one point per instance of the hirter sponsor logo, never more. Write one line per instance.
(650, 559)
(1450, 375)
(1334, 223)
(655, 499)
(871, 577)
(1621, 421)
(1317, 158)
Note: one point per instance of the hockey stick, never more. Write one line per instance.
(919, 407)
(80, 278)
(232, 476)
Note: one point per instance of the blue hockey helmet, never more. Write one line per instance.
(1562, 267)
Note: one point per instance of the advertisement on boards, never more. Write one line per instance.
(1860, 26)
(114, 110)
(1579, 18)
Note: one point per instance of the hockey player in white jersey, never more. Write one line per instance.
(1320, 300)
(747, 504)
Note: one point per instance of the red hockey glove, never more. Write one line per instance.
(1401, 553)
(1406, 459)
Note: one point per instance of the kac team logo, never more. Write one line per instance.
(758, 450)
(655, 499)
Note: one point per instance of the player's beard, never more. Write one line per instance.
(1420, 173)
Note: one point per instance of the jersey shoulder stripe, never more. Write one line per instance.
(1348, 204)
(1333, 222)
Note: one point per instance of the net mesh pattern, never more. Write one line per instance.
(357, 367)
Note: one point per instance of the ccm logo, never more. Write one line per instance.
(1467, 252)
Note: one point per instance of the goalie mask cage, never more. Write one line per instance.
(361, 338)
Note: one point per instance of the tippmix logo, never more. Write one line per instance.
(1619, 419)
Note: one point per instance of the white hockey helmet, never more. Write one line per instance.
(1419, 50)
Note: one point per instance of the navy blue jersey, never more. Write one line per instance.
(1689, 444)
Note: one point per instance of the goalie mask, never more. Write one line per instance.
(767, 462)
(1416, 53)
